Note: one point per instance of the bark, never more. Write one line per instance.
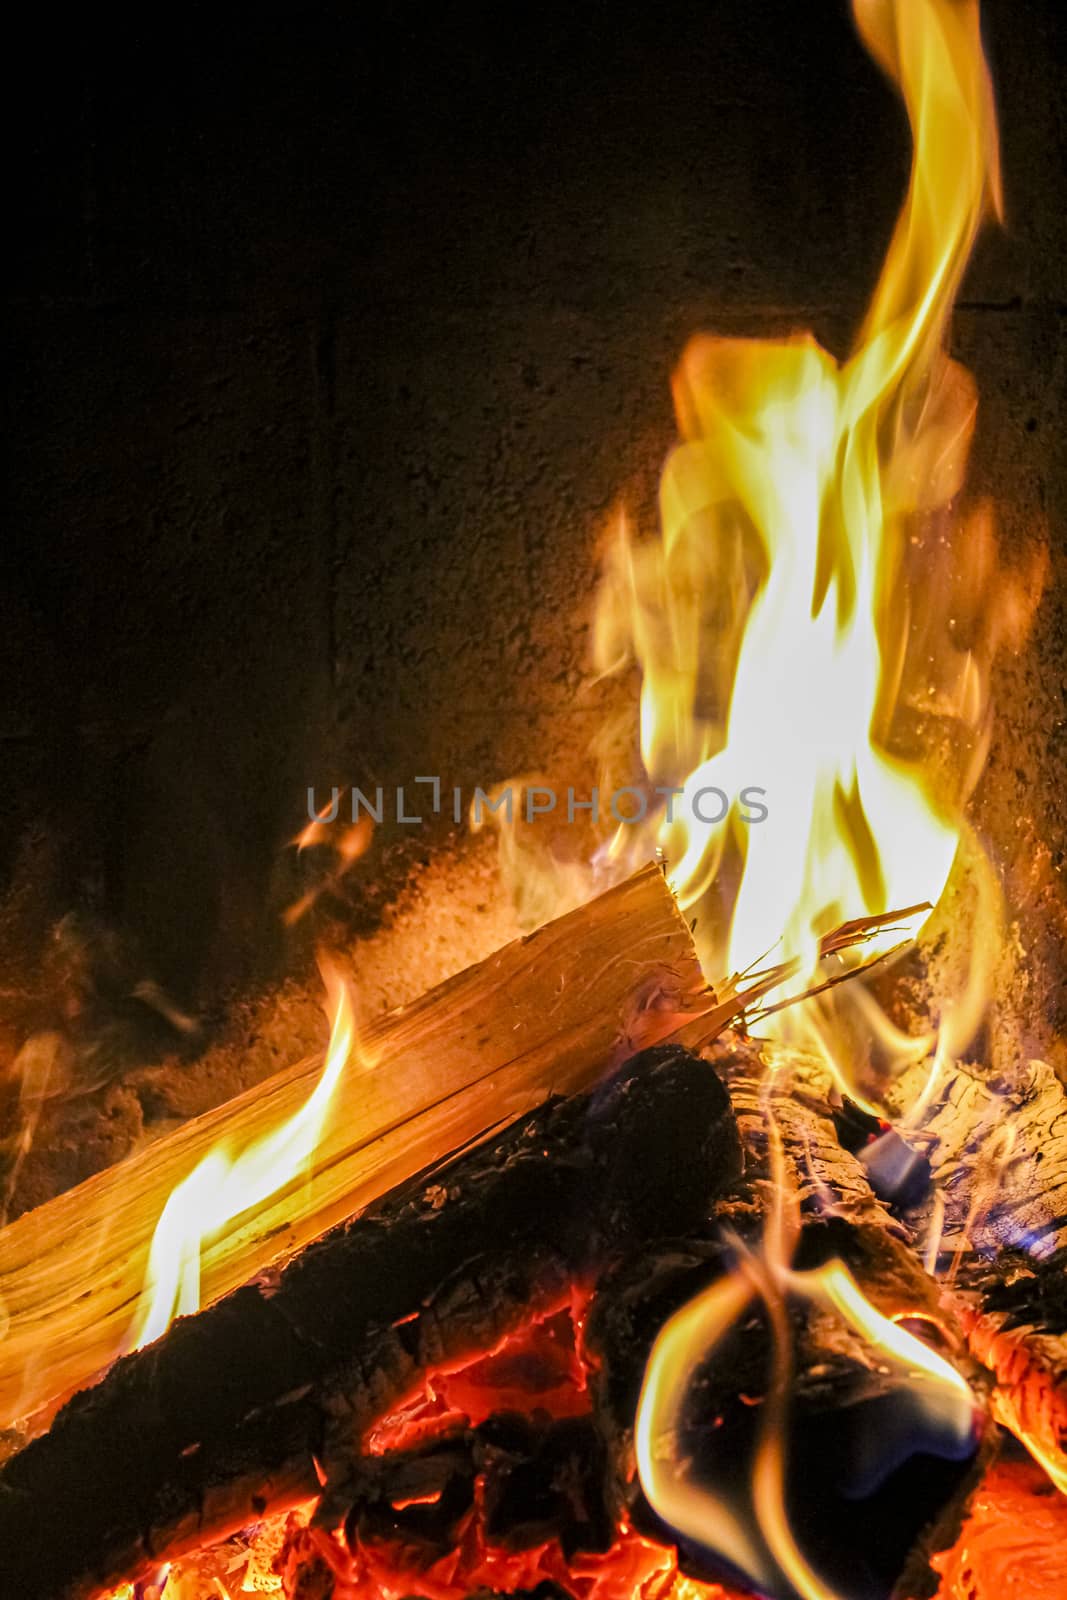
(851, 1421)
(998, 1152)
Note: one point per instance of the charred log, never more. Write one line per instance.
(636, 1189)
(865, 1480)
(855, 1444)
(871, 1490)
(539, 1480)
(830, 1183)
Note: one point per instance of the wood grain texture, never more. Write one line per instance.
(546, 1014)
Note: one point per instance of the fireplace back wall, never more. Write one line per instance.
(332, 346)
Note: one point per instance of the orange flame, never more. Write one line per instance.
(758, 1544)
(1046, 1452)
(756, 1538)
(773, 599)
(346, 845)
(224, 1185)
(818, 620)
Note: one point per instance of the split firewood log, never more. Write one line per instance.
(544, 1015)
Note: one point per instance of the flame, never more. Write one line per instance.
(770, 622)
(818, 618)
(755, 1536)
(347, 845)
(224, 1185)
(758, 1540)
(150, 1589)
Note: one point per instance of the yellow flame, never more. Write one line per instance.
(819, 616)
(757, 1539)
(834, 1286)
(684, 1343)
(769, 621)
(225, 1185)
(150, 1590)
(755, 1534)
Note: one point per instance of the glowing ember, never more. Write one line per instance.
(1014, 1542)
(633, 1566)
(537, 1369)
(225, 1185)
(537, 1372)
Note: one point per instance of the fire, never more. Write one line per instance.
(796, 632)
(537, 1371)
(752, 1532)
(816, 623)
(770, 621)
(818, 620)
(225, 1185)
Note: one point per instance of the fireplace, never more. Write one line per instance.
(340, 362)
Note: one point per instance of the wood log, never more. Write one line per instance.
(998, 1150)
(540, 1480)
(831, 1184)
(845, 1409)
(543, 1015)
(872, 1487)
(998, 1153)
(237, 1410)
(846, 1416)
